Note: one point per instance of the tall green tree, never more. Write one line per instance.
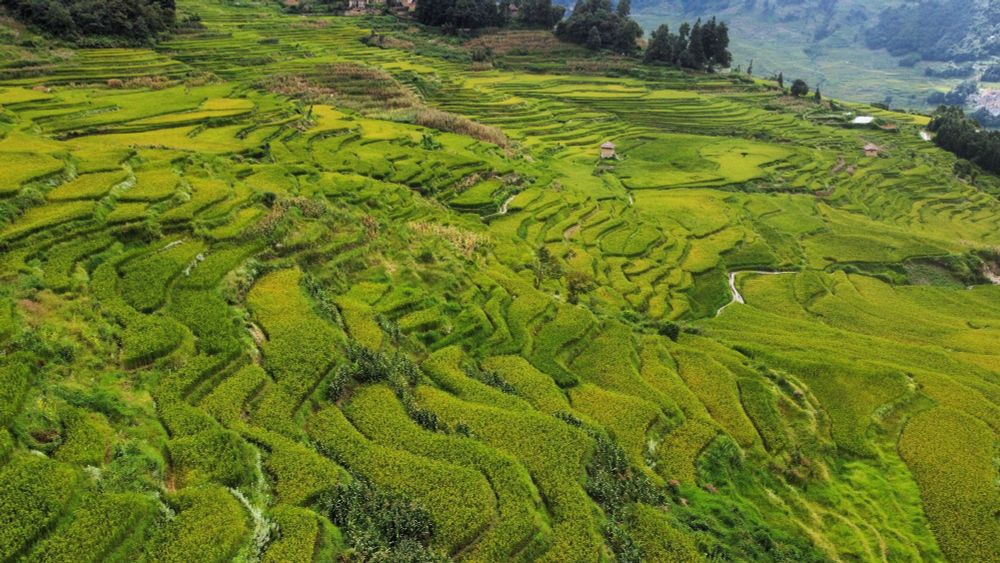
(800, 88)
(459, 14)
(540, 13)
(704, 46)
(617, 33)
(594, 42)
(660, 48)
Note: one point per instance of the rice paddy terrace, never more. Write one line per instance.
(242, 325)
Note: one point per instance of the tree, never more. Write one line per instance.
(719, 49)
(957, 133)
(624, 8)
(594, 39)
(694, 55)
(817, 96)
(458, 14)
(800, 88)
(703, 46)
(781, 80)
(577, 283)
(660, 48)
(617, 33)
(545, 266)
(750, 68)
(540, 13)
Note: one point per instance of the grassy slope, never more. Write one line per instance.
(184, 267)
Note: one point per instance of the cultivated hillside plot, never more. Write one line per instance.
(272, 294)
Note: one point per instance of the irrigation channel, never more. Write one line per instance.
(737, 296)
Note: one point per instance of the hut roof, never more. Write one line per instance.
(608, 145)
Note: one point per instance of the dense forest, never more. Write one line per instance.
(963, 136)
(133, 20)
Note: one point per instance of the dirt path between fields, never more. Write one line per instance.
(505, 206)
(737, 296)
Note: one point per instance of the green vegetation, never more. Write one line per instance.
(272, 290)
(134, 20)
(596, 25)
(961, 135)
(702, 46)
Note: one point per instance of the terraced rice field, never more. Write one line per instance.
(238, 321)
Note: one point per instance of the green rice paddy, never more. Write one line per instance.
(225, 304)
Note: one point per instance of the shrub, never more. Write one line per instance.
(134, 467)
(613, 483)
(376, 521)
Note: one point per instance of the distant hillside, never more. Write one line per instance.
(940, 30)
(899, 51)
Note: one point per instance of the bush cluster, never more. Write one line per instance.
(613, 483)
(377, 521)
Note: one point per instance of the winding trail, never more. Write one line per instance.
(737, 296)
(504, 207)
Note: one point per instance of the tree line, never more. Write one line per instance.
(963, 136)
(132, 20)
(701, 46)
(599, 25)
(452, 15)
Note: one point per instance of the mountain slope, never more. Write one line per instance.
(285, 289)
(853, 49)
